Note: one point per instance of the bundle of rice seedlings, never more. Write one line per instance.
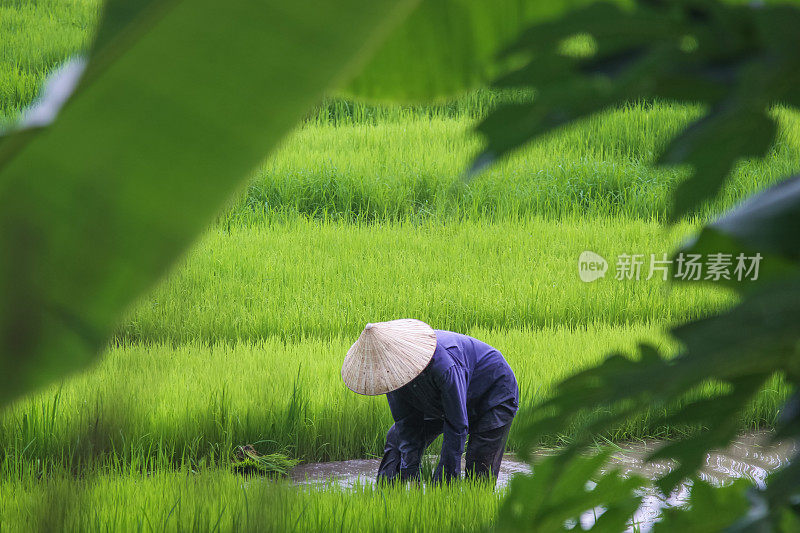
(247, 460)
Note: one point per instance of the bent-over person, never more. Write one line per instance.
(436, 382)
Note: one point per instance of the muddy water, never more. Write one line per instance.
(347, 474)
(748, 457)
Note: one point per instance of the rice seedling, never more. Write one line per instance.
(247, 461)
(37, 35)
(360, 162)
(220, 501)
(161, 406)
(302, 278)
(394, 169)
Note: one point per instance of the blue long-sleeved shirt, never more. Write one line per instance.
(463, 383)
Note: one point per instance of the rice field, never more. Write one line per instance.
(37, 35)
(361, 216)
(409, 163)
(219, 501)
(308, 278)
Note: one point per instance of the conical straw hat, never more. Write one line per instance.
(388, 355)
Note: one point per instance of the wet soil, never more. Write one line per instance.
(749, 457)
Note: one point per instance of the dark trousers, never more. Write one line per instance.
(483, 457)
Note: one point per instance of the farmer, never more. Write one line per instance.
(436, 382)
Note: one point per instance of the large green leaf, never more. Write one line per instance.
(180, 100)
(738, 61)
(766, 226)
(768, 222)
(728, 504)
(448, 46)
(741, 348)
(556, 496)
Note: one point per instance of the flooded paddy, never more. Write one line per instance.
(750, 457)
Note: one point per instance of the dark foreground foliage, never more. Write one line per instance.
(738, 61)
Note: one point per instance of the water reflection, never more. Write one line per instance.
(748, 457)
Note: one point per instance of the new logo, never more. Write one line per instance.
(591, 266)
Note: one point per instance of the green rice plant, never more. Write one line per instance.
(163, 406)
(362, 161)
(393, 168)
(215, 500)
(37, 36)
(247, 460)
(304, 278)
(362, 216)
(343, 111)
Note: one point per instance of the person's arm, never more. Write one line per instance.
(409, 423)
(453, 384)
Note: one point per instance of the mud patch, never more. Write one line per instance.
(747, 458)
(348, 474)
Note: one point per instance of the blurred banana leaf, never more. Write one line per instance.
(728, 504)
(559, 497)
(449, 46)
(178, 102)
(742, 348)
(767, 224)
(736, 60)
